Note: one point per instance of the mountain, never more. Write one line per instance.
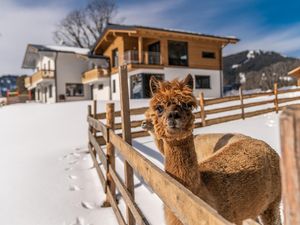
(258, 69)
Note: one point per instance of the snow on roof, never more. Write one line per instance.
(60, 48)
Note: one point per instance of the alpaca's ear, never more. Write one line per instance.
(154, 84)
(188, 80)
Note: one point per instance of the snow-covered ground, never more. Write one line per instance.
(47, 175)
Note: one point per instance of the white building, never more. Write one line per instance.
(57, 72)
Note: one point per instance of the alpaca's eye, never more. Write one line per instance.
(159, 109)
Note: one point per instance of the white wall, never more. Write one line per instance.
(69, 70)
(172, 73)
(215, 79)
(103, 94)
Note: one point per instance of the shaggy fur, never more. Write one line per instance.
(241, 179)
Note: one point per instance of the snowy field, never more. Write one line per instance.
(47, 176)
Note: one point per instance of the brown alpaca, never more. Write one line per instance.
(241, 180)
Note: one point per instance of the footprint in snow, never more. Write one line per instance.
(73, 162)
(76, 154)
(64, 157)
(72, 177)
(75, 188)
(68, 168)
(80, 149)
(79, 221)
(89, 205)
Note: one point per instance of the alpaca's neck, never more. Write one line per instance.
(181, 162)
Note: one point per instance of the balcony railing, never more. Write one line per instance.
(150, 58)
(27, 82)
(93, 74)
(42, 74)
(38, 77)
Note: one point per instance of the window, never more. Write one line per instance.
(139, 85)
(74, 90)
(50, 91)
(178, 53)
(115, 58)
(100, 86)
(202, 82)
(114, 86)
(49, 65)
(208, 55)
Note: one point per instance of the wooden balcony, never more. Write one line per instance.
(93, 75)
(38, 77)
(27, 82)
(148, 58)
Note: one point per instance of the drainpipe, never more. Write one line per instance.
(55, 76)
(221, 70)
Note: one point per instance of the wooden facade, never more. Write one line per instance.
(132, 45)
(295, 73)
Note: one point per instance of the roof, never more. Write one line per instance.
(111, 26)
(33, 50)
(295, 72)
(60, 48)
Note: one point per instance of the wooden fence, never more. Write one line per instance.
(274, 102)
(197, 212)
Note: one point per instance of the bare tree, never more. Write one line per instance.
(81, 28)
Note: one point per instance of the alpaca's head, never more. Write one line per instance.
(171, 108)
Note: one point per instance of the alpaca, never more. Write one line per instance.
(241, 180)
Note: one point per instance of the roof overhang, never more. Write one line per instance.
(112, 30)
(295, 72)
(32, 56)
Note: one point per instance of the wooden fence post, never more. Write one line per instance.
(276, 97)
(202, 110)
(290, 163)
(110, 153)
(242, 102)
(94, 113)
(89, 114)
(126, 134)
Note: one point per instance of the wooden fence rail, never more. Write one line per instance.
(213, 108)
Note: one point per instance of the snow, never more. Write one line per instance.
(242, 77)
(47, 177)
(60, 48)
(235, 66)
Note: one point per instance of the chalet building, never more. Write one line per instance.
(164, 53)
(57, 72)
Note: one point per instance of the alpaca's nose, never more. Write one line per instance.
(174, 115)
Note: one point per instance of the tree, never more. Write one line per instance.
(21, 84)
(81, 28)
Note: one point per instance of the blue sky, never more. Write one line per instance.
(267, 25)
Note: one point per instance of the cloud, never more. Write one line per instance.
(20, 25)
(284, 40)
